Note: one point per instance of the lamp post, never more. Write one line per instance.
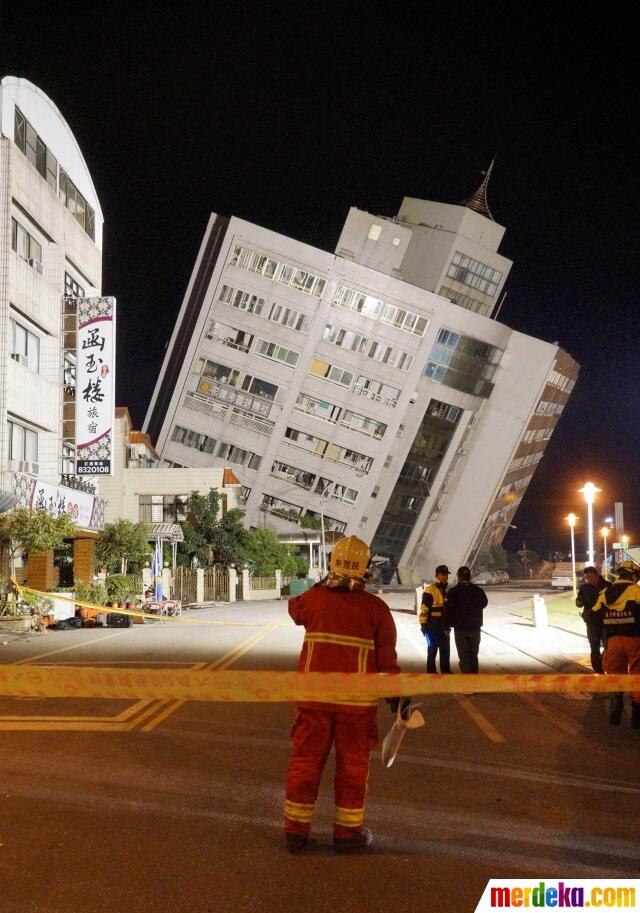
(589, 490)
(571, 520)
(323, 560)
(605, 533)
(625, 545)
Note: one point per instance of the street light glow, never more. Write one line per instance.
(571, 519)
(589, 490)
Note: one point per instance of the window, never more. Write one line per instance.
(243, 301)
(162, 508)
(293, 474)
(23, 443)
(387, 355)
(332, 373)
(345, 339)
(465, 301)
(376, 491)
(277, 353)
(280, 508)
(327, 450)
(318, 408)
(463, 363)
(546, 408)
(474, 274)
(25, 346)
(72, 289)
(344, 494)
(353, 300)
(229, 336)
(216, 371)
(193, 439)
(286, 316)
(375, 389)
(369, 426)
(28, 141)
(443, 410)
(556, 379)
(269, 268)
(404, 320)
(77, 205)
(237, 455)
(264, 389)
(374, 232)
(25, 245)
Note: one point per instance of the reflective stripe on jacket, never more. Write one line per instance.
(620, 608)
(346, 631)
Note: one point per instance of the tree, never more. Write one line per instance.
(211, 540)
(310, 522)
(123, 546)
(35, 532)
(499, 557)
(265, 554)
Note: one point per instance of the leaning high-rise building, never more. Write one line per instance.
(373, 384)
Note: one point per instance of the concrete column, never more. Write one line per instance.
(147, 578)
(246, 584)
(41, 574)
(200, 584)
(233, 584)
(540, 615)
(84, 558)
(419, 592)
(279, 583)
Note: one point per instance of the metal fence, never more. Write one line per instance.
(184, 584)
(216, 584)
(263, 583)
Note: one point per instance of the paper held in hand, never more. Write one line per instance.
(396, 734)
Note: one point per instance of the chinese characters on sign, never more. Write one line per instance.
(57, 499)
(95, 385)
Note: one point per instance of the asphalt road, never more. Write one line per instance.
(113, 806)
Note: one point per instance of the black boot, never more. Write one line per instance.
(635, 715)
(616, 708)
(360, 841)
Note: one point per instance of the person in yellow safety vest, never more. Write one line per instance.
(433, 620)
(619, 604)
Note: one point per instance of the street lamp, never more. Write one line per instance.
(625, 545)
(605, 533)
(323, 560)
(571, 520)
(589, 491)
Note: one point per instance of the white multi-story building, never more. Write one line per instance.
(372, 386)
(50, 247)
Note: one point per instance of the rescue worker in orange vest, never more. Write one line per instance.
(619, 604)
(347, 630)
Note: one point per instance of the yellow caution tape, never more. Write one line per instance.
(135, 613)
(251, 686)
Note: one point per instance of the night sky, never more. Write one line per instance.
(286, 115)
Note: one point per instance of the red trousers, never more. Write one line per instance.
(622, 656)
(313, 733)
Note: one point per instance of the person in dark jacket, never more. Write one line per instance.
(433, 622)
(587, 597)
(619, 606)
(465, 604)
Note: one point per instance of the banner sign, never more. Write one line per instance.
(95, 385)
(58, 499)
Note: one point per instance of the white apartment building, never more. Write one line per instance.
(372, 385)
(50, 247)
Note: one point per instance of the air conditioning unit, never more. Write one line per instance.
(36, 265)
(21, 359)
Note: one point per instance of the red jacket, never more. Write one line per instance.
(346, 631)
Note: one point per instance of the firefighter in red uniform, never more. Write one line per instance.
(347, 630)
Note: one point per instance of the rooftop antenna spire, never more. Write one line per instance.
(478, 200)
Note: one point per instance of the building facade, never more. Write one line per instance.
(50, 252)
(143, 490)
(372, 387)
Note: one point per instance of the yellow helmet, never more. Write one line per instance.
(348, 563)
